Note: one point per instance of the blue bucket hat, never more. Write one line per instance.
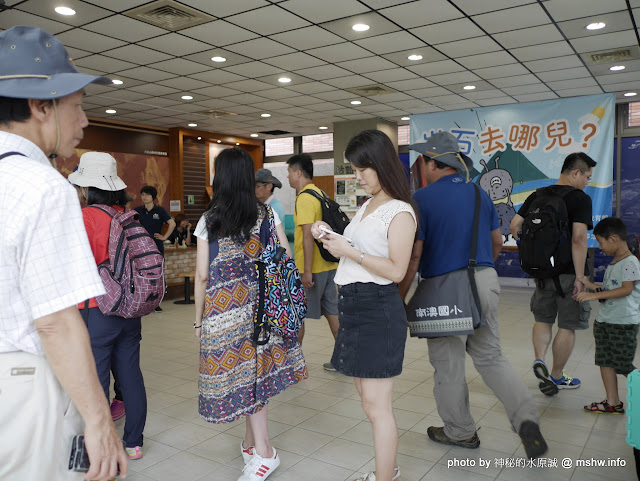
(35, 65)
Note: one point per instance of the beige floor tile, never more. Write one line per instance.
(416, 404)
(221, 448)
(184, 436)
(156, 423)
(440, 473)
(185, 410)
(317, 400)
(411, 469)
(420, 446)
(312, 470)
(291, 414)
(183, 466)
(160, 400)
(564, 433)
(275, 428)
(349, 408)
(479, 461)
(345, 454)
(337, 388)
(154, 452)
(330, 424)
(301, 441)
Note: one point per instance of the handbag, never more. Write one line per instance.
(281, 306)
(449, 305)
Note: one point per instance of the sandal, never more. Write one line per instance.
(605, 407)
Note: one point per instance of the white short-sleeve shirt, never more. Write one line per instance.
(369, 235)
(46, 264)
(201, 227)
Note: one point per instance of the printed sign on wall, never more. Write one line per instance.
(518, 148)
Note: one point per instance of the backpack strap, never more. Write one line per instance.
(9, 154)
(473, 263)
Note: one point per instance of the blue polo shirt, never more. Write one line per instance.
(152, 220)
(445, 211)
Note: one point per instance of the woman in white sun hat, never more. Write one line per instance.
(115, 341)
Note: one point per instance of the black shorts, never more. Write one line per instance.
(615, 345)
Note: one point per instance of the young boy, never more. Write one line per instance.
(616, 327)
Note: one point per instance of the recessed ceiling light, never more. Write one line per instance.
(360, 27)
(110, 111)
(218, 59)
(404, 118)
(219, 141)
(193, 125)
(630, 94)
(596, 26)
(323, 128)
(187, 97)
(237, 143)
(265, 115)
(355, 102)
(284, 80)
(254, 135)
(469, 87)
(415, 57)
(65, 11)
(199, 138)
(117, 82)
(615, 68)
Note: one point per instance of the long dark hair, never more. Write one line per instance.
(233, 210)
(373, 149)
(107, 197)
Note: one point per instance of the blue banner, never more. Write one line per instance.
(519, 148)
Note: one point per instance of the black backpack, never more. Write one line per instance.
(544, 245)
(333, 215)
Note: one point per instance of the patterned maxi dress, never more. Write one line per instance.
(236, 378)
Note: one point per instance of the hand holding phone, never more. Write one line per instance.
(326, 231)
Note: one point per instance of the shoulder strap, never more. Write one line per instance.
(471, 269)
(313, 193)
(9, 154)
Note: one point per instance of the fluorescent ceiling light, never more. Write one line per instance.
(360, 27)
(404, 118)
(193, 125)
(65, 11)
(323, 128)
(630, 94)
(117, 82)
(218, 59)
(284, 80)
(415, 57)
(355, 102)
(187, 97)
(596, 26)
(254, 135)
(265, 115)
(469, 87)
(615, 68)
(110, 111)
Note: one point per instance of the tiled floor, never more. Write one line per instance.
(322, 434)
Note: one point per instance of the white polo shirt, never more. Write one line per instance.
(46, 264)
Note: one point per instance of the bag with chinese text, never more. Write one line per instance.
(449, 304)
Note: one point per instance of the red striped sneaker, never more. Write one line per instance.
(247, 453)
(260, 468)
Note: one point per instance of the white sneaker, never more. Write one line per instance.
(247, 453)
(372, 476)
(260, 468)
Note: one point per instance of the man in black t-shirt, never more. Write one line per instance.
(546, 303)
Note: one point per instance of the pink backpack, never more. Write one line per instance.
(133, 276)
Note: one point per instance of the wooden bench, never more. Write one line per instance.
(187, 287)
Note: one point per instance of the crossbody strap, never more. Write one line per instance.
(473, 263)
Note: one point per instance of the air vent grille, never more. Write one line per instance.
(371, 90)
(275, 132)
(216, 113)
(612, 56)
(169, 15)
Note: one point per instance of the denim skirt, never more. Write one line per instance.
(373, 331)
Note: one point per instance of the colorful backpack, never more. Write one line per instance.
(133, 275)
(281, 306)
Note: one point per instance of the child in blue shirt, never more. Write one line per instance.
(616, 326)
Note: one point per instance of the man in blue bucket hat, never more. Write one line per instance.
(49, 390)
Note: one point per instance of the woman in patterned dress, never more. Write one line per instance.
(237, 379)
(373, 259)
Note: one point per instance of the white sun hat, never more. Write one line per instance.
(97, 169)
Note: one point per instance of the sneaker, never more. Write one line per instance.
(566, 382)
(247, 453)
(532, 440)
(134, 453)
(547, 386)
(329, 367)
(260, 468)
(372, 476)
(158, 309)
(117, 409)
(438, 435)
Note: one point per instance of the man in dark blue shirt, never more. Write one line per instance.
(446, 209)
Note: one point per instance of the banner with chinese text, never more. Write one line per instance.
(519, 148)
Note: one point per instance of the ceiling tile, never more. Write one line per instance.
(565, 74)
(153, 89)
(603, 69)
(279, 93)
(415, 14)
(325, 10)
(391, 75)
(324, 72)
(294, 61)
(547, 50)
(306, 38)
(605, 41)
(572, 83)
(390, 42)
(179, 66)
(253, 69)
(215, 91)
(615, 22)
(85, 40)
(260, 48)
(447, 100)
(574, 92)
(378, 25)
(450, 31)
(104, 64)
(251, 86)
(429, 92)
(125, 28)
(501, 71)
(268, 105)
(218, 33)
(526, 89)
(475, 7)
(349, 82)
(217, 76)
(536, 97)
(216, 104)
(437, 68)
(11, 18)
(483, 60)
(84, 13)
(369, 64)
(402, 58)
(175, 44)
(513, 18)
(323, 107)
(333, 95)
(76, 53)
(496, 101)
(147, 74)
(339, 52)
(513, 81)
(619, 77)
(301, 100)
(272, 80)
(470, 46)
(117, 5)
(454, 78)
(244, 99)
(392, 97)
(529, 36)
(566, 9)
(268, 20)
(556, 63)
(483, 94)
(184, 83)
(137, 54)
(411, 84)
(223, 9)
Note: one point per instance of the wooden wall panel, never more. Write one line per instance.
(194, 178)
(325, 182)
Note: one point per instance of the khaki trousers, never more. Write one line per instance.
(37, 421)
